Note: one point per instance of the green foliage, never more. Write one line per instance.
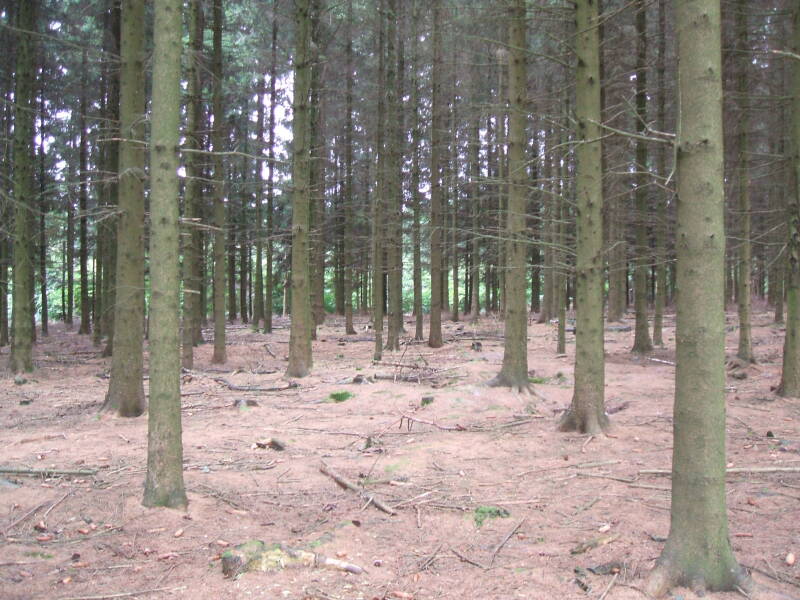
(489, 512)
(339, 396)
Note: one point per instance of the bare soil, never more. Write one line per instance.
(467, 451)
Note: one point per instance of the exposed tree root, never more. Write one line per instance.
(503, 380)
(588, 422)
(666, 575)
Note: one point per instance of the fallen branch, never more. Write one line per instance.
(731, 471)
(410, 420)
(349, 485)
(126, 594)
(429, 560)
(505, 541)
(608, 587)
(46, 472)
(23, 517)
(467, 560)
(251, 388)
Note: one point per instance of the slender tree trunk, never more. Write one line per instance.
(790, 376)
(349, 199)
(698, 552)
(661, 225)
(476, 202)
(83, 199)
(192, 263)
(394, 247)
(416, 139)
(641, 341)
(125, 391)
(258, 284)
(300, 359)
(21, 357)
(273, 101)
(218, 138)
(379, 200)
(42, 220)
(587, 412)
(436, 221)
(745, 292)
(514, 372)
(164, 482)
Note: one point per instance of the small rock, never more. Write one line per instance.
(20, 380)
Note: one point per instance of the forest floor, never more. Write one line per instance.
(443, 449)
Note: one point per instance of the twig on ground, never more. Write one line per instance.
(23, 517)
(126, 594)
(56, 503)
(47, 472)
(251, 388)
(467, 560)
(505, 541)
(608, 587)
(410, 420)
(731, 471)
(429, 560)
(349, 485)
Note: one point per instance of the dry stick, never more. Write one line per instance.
(349, 485)
(23, 517)
(269, 351)
(505, 541)
(431, 423)
(609, 586)
(428, 561)
(46, 472)
(467, 560)
(126, 594)
(732, 471)
(56, 503)
(250, 388)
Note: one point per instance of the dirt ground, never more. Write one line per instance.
(467, 452)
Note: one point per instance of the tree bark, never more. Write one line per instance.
(164, 481)
(125, 390)
(21, 357)
(435, 327)
(587, 413)
(790, 376)
(300, 359)
(218, 137)
(349, 199)
(514, 372)
(192, 264)
(698, 553)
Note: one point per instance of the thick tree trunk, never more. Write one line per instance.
(698, 552)
(21, 357)
(300, 360)
(164, 481)
(125, 390)
(587, 413)
(514, 372)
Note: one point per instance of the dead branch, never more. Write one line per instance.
(409, 420)
(349, 485)
(251, 388)
(467, 560)
(731, 471)
(47, 472)
(126, 594)
(505, 541)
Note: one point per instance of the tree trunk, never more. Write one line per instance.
(125, 391)
(300, 360)
(435, 332)
(514, 372)
(744, 292)
(416, 139)
(394, 250)
(218, 137)
(83, 199)
(349, 199)
(192, 263)
(641, 341)
(790, 376)
(21, 357)
(164, 481)
(698, 552)
(661, 225)
(587, 413)
(270, 282)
